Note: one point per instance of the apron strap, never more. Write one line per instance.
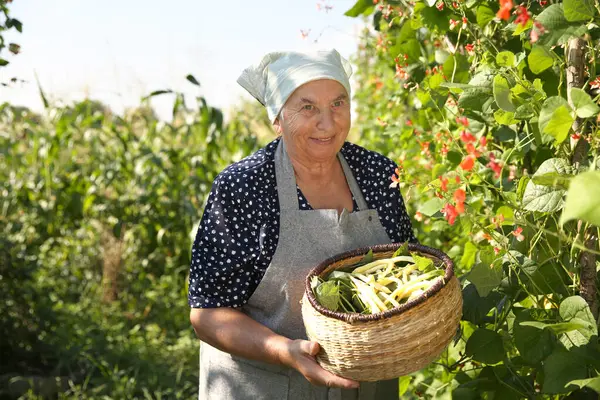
(354, 188)
(286, 181)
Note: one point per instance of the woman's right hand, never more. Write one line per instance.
(302, 358)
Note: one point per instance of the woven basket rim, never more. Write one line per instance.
(356, 317)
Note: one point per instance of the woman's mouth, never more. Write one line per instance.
(323, 140)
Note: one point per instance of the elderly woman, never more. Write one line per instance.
(306, 196)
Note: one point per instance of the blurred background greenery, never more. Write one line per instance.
(98, 213)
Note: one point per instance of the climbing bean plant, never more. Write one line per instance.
(490, 110)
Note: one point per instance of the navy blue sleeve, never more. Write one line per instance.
(226, 247)
(405, 232)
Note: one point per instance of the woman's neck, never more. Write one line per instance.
(314, 173)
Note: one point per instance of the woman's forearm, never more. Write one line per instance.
(232, 331)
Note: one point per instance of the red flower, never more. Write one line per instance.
(453, 24)
(460, 195)
(467, 137)
(522, 16)
(483, 141)
(517, 233)
(538, 29)
(463, 120)
(418, 216)
(440, 5)
(498, 220)
(505, 8)
(444, 185)
(464, 21)
(495, 166)
(468, 163)
(595, 84)
(450, 213)
(471, 149)
(543, 2)
(444, 149)
(470, 47)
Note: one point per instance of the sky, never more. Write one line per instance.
(119, 51)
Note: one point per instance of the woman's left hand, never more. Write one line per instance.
(302, 358)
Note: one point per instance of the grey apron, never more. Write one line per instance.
(306, 238)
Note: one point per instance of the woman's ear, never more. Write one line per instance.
(277, 126)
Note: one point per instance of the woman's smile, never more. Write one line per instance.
(322, 141)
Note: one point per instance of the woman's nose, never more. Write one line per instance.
(325, 120)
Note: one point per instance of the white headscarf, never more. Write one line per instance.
(279, 74)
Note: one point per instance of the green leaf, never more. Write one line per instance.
(504, 134)
(412, 48)
(461, 72)
(470, 99)
(367, 258)
(553, 179)
(525, 111)
(583, 103)
(424, 264)
(560, 368)
(485, 346)
(401, 251)
(555, 118)
(504, 117)
(540, 59)
(468, 257)
(485, 14)
(592, 383)
(502, 93)
(328, 295)
(544, 198)
(403, 384)
(576, 311)
(3, 62)
(520, 28)
(533, 344)
(432, 206)
(557, 328)
(475, 307)
(579, 10)
(485, 277)
(455, 158)
(192, 79)
(558, 29)
(583, 199)
(505, 59)
(359, 8)
(12, 22)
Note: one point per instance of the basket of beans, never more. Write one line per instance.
(382, 312)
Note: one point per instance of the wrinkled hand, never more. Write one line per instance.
(302, 358)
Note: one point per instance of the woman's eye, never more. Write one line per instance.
(338, 103)
(308, 107)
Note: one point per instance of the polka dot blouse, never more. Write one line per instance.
(238, 234)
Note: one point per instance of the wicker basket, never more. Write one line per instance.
(391, 343)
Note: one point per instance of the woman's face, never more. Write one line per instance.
(316, 120)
